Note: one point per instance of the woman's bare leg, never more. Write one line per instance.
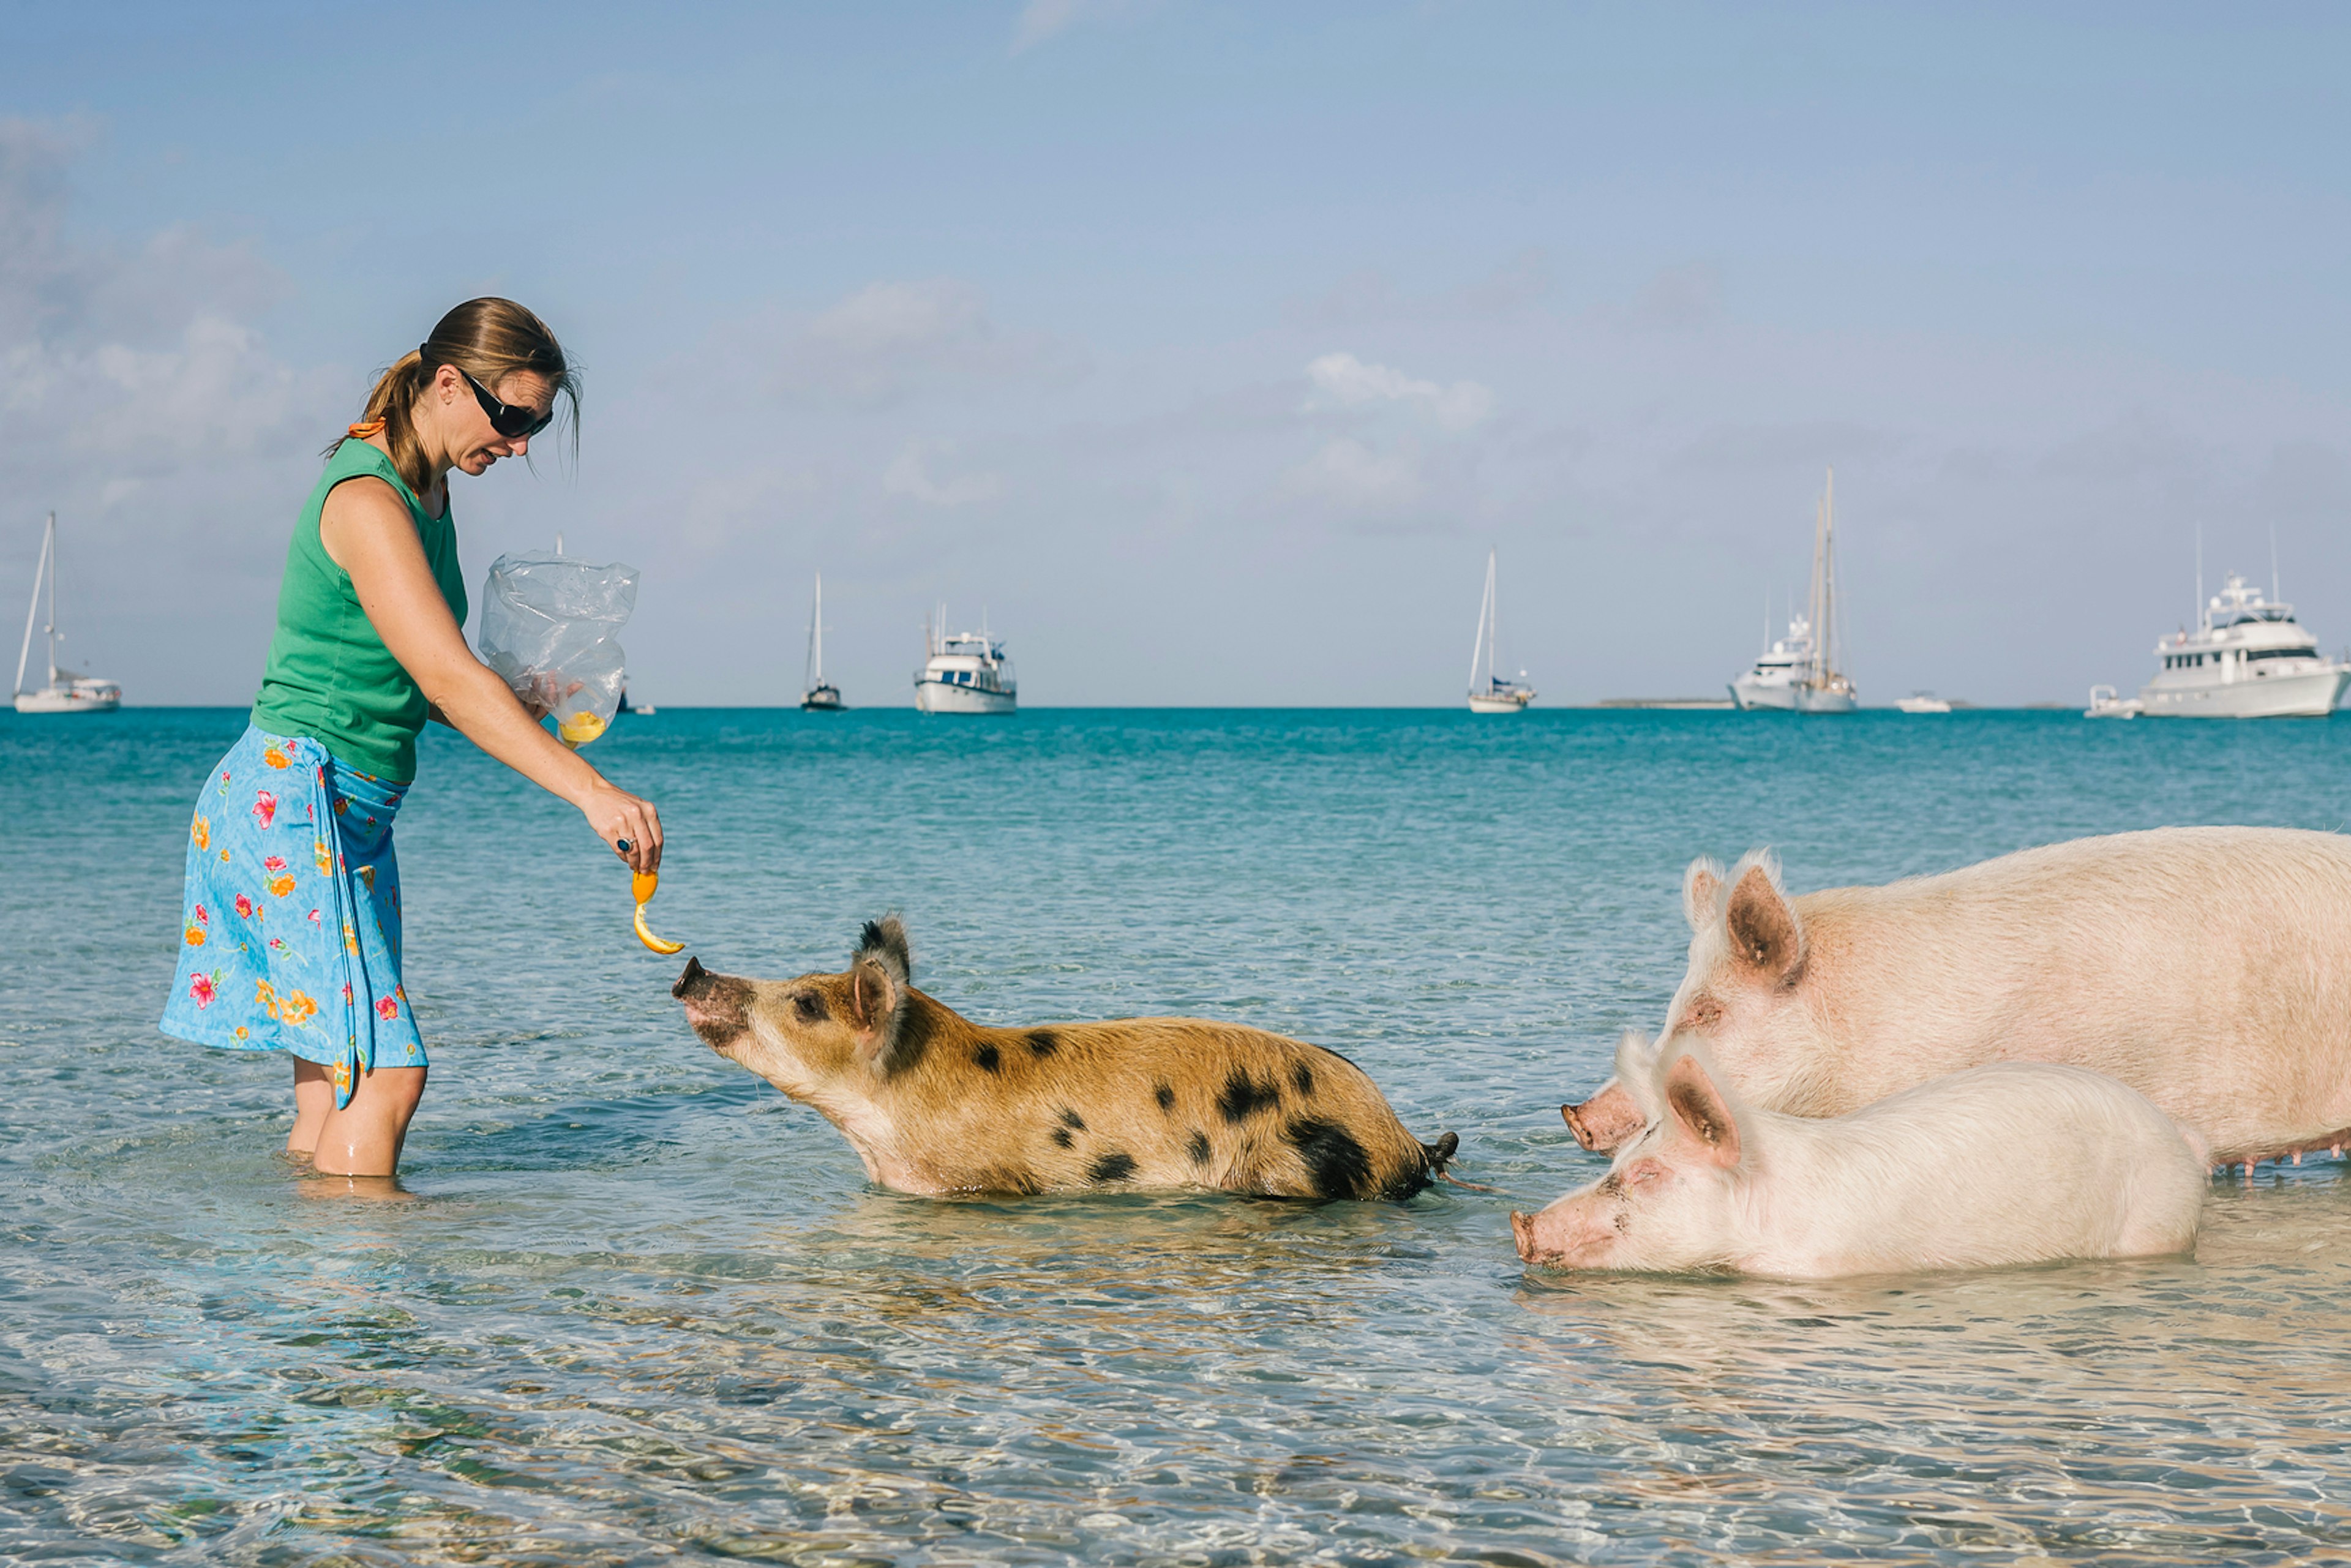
(364, 1138)
(314, 1097)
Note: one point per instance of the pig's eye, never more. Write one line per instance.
(1704, 1012)
(1647, 1172)
(810, 1007)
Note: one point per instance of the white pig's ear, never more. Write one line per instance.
(1702, 891)
(1765, 938)
(1636, 1074)
(1701, 1112)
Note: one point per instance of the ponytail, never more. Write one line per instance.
(489, 339)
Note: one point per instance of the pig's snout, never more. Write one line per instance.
(1522, 1227)
(1605, 1121)
(717, 1006)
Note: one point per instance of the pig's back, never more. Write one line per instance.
(2208, 968)
(1175, 1102)
(2008, 1163)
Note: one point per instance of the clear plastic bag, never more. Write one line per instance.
(548, 628)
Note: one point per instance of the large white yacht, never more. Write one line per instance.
(966, 672)
(2247, 658)
(1799, 672)
(1772, 682)
(66, 691)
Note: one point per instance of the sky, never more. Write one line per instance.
(1206, 348)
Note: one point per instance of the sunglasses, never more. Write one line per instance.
(515, 421)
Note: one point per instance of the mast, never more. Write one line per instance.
(1485, 611)
(1828, 579)
(2203, 616)
(52, 551)
(812, 666)
(33, 611)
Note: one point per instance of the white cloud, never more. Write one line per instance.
(1343, 381)
(909, 475)
(1348, 475)
(116, 363)
(1043, 19)
(890, 340)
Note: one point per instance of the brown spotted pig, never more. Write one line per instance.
(935, 1104)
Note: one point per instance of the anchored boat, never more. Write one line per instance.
(66, 692)
(2248, 658)
(965, 672)
(1493, 692)
(817, 693)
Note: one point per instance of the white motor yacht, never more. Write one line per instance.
(1923, 701)
(1490, 693)
(1772, 682)
(2247, 658)
(967, 671)
(1799, 672)
(66, 692)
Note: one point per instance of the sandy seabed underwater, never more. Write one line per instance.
(636, 1307)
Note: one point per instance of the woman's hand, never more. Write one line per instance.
(627, 822)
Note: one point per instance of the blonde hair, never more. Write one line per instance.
(489, 339)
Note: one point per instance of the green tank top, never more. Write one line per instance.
(330, 676)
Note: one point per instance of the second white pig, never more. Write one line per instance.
(2008, 1164)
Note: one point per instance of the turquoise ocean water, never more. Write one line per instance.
(632, 1306)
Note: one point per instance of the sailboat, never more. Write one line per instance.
(1821, 688)
(1493, 692)
(66, 692)
(818, 695)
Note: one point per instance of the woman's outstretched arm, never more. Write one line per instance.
(368, 531)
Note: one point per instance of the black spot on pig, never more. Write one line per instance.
(1073, 1121)
(1335, 1162)
(1044, 1042)
(916, 1024)
(986, 1058)
(1060, 1137)
(1165, 1095)
(1301, 1078)
(1115, 1165)
(1197, 1147)
(1244, 1097)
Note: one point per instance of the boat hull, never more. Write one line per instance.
(823, 699)
(2314, 694)
(939, 696)
(1814, 701)
(1748, 693)
(1922, 705)
(1516, 703)
(54, 700)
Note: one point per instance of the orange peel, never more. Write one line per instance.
(643, 884)
(580, 729)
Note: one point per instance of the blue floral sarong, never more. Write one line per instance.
(290, 935)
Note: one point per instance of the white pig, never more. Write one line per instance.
(2208, 968)
(2013, 1163)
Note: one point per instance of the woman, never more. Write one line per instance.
(290, 939)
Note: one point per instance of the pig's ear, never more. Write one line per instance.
(1702, 891)
(1701, 1112)
(1765, 938)
(885, 941)
(878, 983)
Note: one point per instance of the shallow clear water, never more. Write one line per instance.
(631, 1305)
